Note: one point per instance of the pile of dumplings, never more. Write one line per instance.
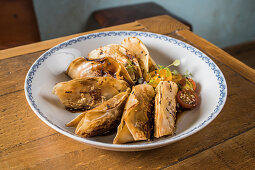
(108, 87)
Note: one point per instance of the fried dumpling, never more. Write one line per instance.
(132, 64)
(136, 122)
(102, 118)
(165, 108)
(103, 67)
(122, 55)
(87, 93)
(135, 45)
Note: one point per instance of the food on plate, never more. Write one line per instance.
(122, 56)
(188, 83)
(165, 108)
(87, 93)
(101, 88)
(102, 118)
(135, 45)
(132, 66)
(136, 122)
(176, 77)
(164, 74)
(103, 67)
(187, 98)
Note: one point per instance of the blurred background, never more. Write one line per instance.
(223, 22)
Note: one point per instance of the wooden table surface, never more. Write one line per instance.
(226, 143)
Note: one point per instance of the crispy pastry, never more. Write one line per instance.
(136, 122)
(122, 55)
(165, 108)
(103, 67)
(132, 64)
(87, 93)
(147, 64)
(102, 118)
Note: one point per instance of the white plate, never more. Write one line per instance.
(49, 69)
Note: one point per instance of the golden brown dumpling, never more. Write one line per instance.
(131, 64)
(102, 118)
(165, 108)
(136, 121)
(82, 67)
(103, 67)
(87, 93)
(147, 64)
(122, 55)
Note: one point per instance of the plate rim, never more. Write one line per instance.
(126, 147)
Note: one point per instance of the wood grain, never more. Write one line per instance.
(162, 25)
(13, 72)
(218, 54)
(32, 144)
(235, 153)
(244, 52)
(39, 46)
(18, 122)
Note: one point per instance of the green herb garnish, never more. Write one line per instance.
(130, 66)
(175, 63)
(165, 68)
(175, 72)
(151, 81)
(187, 74)
(168, 71)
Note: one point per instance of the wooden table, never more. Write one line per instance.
(226, 143)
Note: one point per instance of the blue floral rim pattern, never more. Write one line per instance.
(220, 78)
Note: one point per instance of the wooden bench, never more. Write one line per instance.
(18, 24)
(129, 13)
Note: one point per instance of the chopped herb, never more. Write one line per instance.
(187, 74)
(151, 81)
(150, 74)
(175, 72)
(165, 68)
(160, 66)
(130, 66)
(168, 71)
